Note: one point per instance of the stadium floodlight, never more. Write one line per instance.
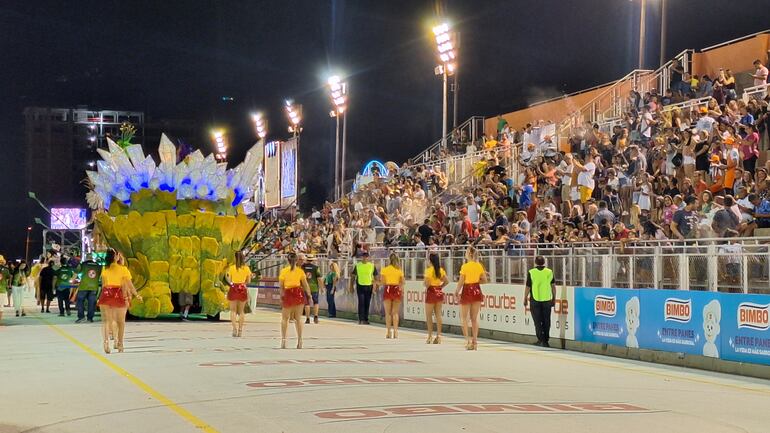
(294, 112)
(445, 45)
(260, 125)
(338, 90)
(221, 145)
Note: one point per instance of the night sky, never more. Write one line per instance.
(177, 59)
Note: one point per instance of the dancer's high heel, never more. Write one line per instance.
(240, 332)
(235, 332)
(106, 346)
(468, 345)
(120, 348)
(475, 345)
(437, 340)
(429, 340)
(395, 334)
(299, 344)
(283, 343)
(388, 335)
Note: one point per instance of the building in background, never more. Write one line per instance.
(60, 145)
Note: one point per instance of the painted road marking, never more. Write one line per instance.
(165, 401)
(432, 409)
(309, 361)
(373, 380)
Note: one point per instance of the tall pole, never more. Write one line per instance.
(456, 89)
(662, 32)
(642, 18)
(443, 125)
(337, 160)
(26, 248)
(344, 147)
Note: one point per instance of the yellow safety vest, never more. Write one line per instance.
(541, 284)
(365, 274)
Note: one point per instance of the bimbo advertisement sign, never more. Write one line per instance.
(746, 328)
(734, 327)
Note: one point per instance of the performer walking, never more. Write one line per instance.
(435, 281)
(472, 275)
(19, 287)
(541, 287)
(5, 280)
(293, 282)
(392, 278)
(116, 296)
(85, 294)
(237, 276)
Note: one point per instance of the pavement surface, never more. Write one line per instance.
(193, 376)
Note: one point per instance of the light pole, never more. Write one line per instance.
(446, 53)
(642, 18)
(663, 32)
(339, 95)
(26, 248)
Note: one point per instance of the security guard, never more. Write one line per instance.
(541, 286)
(363, 278)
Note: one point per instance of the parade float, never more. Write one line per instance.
(177, 223)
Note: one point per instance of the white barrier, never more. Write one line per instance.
(502, 309)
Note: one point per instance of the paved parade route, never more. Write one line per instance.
(187, 377)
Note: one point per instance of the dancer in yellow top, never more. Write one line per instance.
(392, 278)
(435, 281)
(117, 290)
(237, 276)
(294, 287)
(472, 275)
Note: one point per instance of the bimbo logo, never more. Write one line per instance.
(605, 306)
(678, 310)
(754, 316)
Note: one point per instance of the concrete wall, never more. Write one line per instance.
(737, 57)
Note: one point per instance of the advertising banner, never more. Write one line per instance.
(501, 310)
(729, 326)
(745, 328)
(680, 321)
(272, 172)
(608, 316)
(288, 172)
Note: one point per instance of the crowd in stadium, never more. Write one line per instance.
(666, 171)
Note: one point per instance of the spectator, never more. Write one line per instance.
(685, 220)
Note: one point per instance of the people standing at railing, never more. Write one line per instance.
(292, 282)
(330, 286)
(540, 296)
(472, 276)
(364, 273)
(392, 281)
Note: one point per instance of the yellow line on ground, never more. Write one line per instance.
(165, 401)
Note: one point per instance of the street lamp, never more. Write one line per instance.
(219, 141)
(260, 125)
(445, 43)
(339, 95)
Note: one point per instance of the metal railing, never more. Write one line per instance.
(706, 269)
(755, 92)
(732, 41)
(469, 131)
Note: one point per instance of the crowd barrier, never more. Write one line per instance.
(728, 326)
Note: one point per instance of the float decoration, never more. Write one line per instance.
(177, 224)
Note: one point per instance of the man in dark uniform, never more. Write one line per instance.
(541, 288)
(45, 286)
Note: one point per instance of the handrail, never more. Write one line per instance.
(687, 104)
(448, 137)
(742, 38)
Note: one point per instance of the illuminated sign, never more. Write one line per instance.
(68, 218)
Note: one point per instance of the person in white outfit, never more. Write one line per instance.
(19, 285)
